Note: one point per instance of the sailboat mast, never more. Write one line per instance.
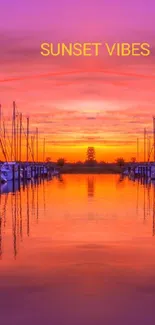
(37, 144)
(154, 138)
(12, 137)
(0, 116)
(14, 132)
(144, 145)
(0, 120)
(4, 140)
(17, 138)
(27, 146)
(137, 149)
(148, 148)
(32, 146)
(20, 137)
(44, 150)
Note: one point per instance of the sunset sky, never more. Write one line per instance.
(78, 102)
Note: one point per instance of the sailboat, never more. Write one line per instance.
(10, 170)
(3, 179)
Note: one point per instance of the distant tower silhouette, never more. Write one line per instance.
(90, 154)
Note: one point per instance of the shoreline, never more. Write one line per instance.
(91, 170)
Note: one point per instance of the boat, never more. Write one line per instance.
(44, 171)
(10, 187)
(55, 172)
(126, 172)
(26, 173)
(152, 172)
(8, 169)
(3, 179)
(136, 171)
(139, 171)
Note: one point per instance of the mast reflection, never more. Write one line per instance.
(21, 204)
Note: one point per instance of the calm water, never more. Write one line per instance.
(78, 250)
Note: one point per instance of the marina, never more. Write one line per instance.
(74, 234)
(77, 162)
(20, 152)
(146, 167)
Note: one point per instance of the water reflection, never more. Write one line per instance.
(91, 185)
(21, 208)
(10, 187)
(0, 237)
(60, 250)
(19, 203)
(153, 210)
(148, 199)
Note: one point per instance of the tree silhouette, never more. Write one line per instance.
(120, 162)
(133, 159)
(48, 159)
(61, 162)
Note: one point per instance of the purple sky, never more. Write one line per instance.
(71, 16)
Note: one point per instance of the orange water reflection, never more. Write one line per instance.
(81, 240)
(77, 208)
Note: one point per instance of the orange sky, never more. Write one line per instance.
(78, 102)
(73, 111)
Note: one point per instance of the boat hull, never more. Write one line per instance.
(3, 179)
(9, 175)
